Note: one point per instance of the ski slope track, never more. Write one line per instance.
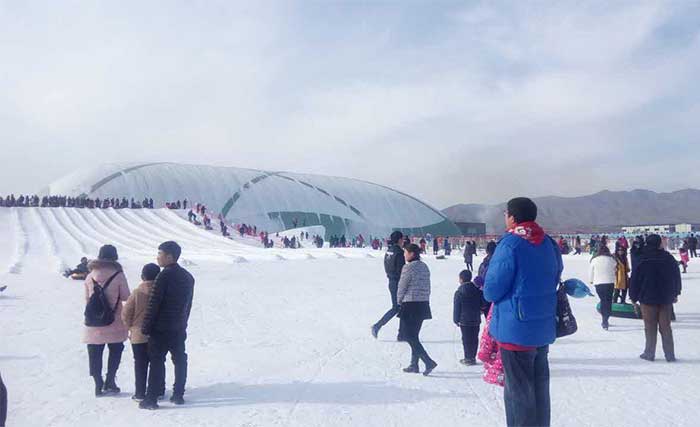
(280, 337)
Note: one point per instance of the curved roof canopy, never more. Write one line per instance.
(273, 201)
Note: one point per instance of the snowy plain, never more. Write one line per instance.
(281, 338)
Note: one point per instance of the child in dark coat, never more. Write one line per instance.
(468, 303)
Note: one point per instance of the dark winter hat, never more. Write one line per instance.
(465, 276)
(490, 247)
(654, 241)
(108, 253)
(171, 248)
(396, 236)
(150, 271)
(522, 209)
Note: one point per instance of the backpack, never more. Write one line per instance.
(566, 322)
(98, 311)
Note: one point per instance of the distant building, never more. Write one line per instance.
(661, 229)
(687, 228)
(471, 228)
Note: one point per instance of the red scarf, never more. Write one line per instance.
(530, 231)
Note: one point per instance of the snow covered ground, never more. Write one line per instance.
(281, 338)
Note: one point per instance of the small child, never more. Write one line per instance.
(685, 259)
(468, 304)
(133, 317)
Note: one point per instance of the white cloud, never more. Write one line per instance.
(481, 102)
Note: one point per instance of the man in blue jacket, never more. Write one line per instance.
(522, 284)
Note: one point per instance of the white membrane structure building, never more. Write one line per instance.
(273, 201)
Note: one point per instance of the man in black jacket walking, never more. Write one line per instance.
(693, 246)
(656, 284)
(393, 264)
(166, 324)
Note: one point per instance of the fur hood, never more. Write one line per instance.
(103, 264)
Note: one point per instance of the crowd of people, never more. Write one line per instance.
(34, 201)
(515, 291)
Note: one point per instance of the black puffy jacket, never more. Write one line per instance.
(394, 261)
(170, 302)
(656, 279)
(468, 304)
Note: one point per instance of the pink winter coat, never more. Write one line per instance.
(101, 271)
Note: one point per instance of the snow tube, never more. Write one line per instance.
(623, 310)
(576, 288)
(78, 276)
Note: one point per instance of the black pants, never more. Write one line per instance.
(393, 289)
(526, 391)
(95, 352)
(141, 364)
(605, 293)
(159, 344)
(621, 294)
(470, 340)
(693, 252)
(410, 329)
(3, 403)
(470, 265)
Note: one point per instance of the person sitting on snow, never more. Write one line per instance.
(81, 269)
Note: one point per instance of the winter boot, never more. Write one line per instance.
(177, 399)
(99, 383)
(110, 386)
(413, 367)
(375, 331)
(648, 357)
(148, 404)
(429, 366)
(468, 362)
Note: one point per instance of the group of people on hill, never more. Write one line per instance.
(74, 202)
(178, 204)
(515, 290)
(154, 317)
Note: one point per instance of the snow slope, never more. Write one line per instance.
(283, 339)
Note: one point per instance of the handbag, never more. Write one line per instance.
(566, 322)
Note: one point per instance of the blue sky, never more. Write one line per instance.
(450, 101)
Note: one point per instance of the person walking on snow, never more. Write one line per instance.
(469, 256)
(622, 275)
(683, 252)
(522, 281)
(603, 272)
(414, 300)
(393, 265)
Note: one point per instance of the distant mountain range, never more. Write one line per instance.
(605, 211)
